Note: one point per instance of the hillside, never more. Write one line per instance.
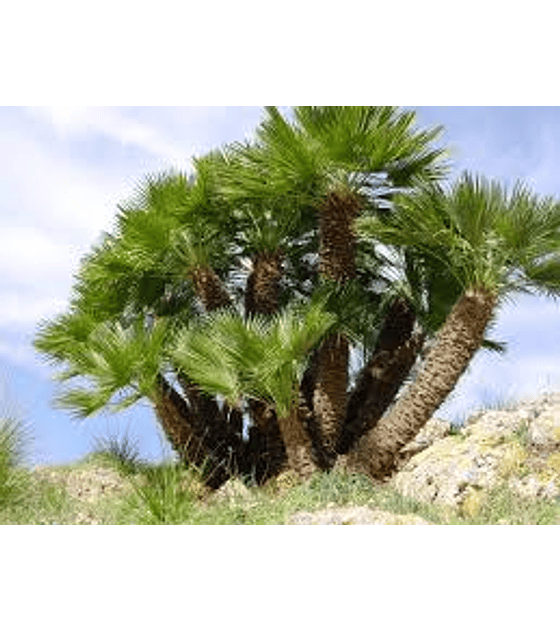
(501, 467)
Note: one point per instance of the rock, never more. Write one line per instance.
(520, 447)
(233, 490)
(434, 430)
(283, 483)
(544, 431)
(353, 515)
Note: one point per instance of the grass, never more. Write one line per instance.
(112, 485)
(14, 438)
(122, 451)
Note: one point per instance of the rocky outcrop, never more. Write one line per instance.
(519, 447)
(454, 467)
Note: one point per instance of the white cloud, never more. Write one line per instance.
(18, 309)
(503, 143)
(56, 198)
(543, 175)
(62, 174)
(495, 379)
(30, 257)
(84, 122)
(167, 136)
(44, 189)
(36, 273)
(19, 355)
(529, 308)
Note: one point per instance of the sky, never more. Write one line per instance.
(63, 170)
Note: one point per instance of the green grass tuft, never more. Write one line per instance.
(14, 441)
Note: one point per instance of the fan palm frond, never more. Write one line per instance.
(256, 357)
(477, 230)
(112, 359)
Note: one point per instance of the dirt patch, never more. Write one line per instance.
(88, 484)
(93, 492)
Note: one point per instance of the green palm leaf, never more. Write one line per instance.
(111, 359)
(234, 358)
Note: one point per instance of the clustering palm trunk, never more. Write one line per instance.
(337, 241)
(459, 338)
(195, 426)
(188, 436)
(306, 413)
(298, 444)
(381, 378)
(266, 450)
(222, 434)
(263, 285)
(330, 394)
(209, 288)
(337, 248)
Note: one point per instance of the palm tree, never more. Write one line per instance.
(238, 358)
(285, 206)
(493, 243)
(266, 234)
(334, 161)
(156, 267)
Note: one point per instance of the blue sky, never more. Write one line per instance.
(63, 170)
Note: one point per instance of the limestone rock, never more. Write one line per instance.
(86, 483)
(520, 446)
(434, 430)
(232, 490)
(353, 515)
(544, 432)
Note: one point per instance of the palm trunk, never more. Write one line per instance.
(382, 377)
(298, 444)
(306, 412)
(378, 384)
(262, 292)
(337, 241)
(337, 251)
(457, 341)
(186, 434)
(220, 437)
(219, 440)
(266, 450)
(330, 395)
(209, 288)
(177, 422)
(197, 432)
(266, 446)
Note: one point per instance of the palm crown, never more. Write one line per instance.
(483, 235)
